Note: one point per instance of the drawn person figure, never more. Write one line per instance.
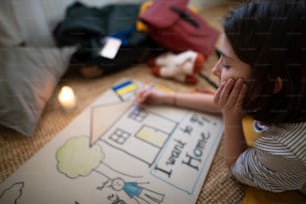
(262, 73)
(134, 191)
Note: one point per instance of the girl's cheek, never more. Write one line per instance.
(224, 78)
(224, 75)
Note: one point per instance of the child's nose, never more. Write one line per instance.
(216, 69)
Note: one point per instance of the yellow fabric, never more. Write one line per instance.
(140, 26)
(193, 9)
(258, 196)
(248, 129)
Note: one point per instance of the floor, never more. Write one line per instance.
(219, 187)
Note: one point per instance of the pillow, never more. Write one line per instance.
(28, 77)
(9, 31)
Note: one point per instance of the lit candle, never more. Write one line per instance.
(67, 98)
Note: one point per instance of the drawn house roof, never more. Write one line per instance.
(104, 117)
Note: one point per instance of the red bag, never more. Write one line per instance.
(171, 24)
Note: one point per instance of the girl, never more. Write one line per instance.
(262, 72)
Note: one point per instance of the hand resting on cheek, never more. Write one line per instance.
(230, 95)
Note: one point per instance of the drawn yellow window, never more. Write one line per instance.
(152, 136)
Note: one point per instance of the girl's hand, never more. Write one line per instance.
(150, 96)
(230, 95)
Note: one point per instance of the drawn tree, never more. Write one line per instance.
(77, 158)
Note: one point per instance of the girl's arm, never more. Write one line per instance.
(230, 96)
(197, 101)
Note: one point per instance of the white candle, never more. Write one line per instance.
(66, 98)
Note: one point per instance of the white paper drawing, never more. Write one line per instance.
(110, 154)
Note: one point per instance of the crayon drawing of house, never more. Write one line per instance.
(141, 134)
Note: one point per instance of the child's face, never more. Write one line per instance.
(229, 65)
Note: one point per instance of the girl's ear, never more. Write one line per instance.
(278, 85)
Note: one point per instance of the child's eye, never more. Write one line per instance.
(226, 66)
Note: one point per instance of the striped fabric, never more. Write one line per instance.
(278, 160)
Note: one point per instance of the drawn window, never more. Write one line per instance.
(120, 136)
(152, 136)
(138, 115)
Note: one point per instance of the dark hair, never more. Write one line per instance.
(270, 36)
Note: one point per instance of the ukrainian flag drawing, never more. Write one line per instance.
(125, 88)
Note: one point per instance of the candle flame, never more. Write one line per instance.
(66, 94)
(66, 97)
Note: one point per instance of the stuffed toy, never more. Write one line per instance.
(181, 67)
